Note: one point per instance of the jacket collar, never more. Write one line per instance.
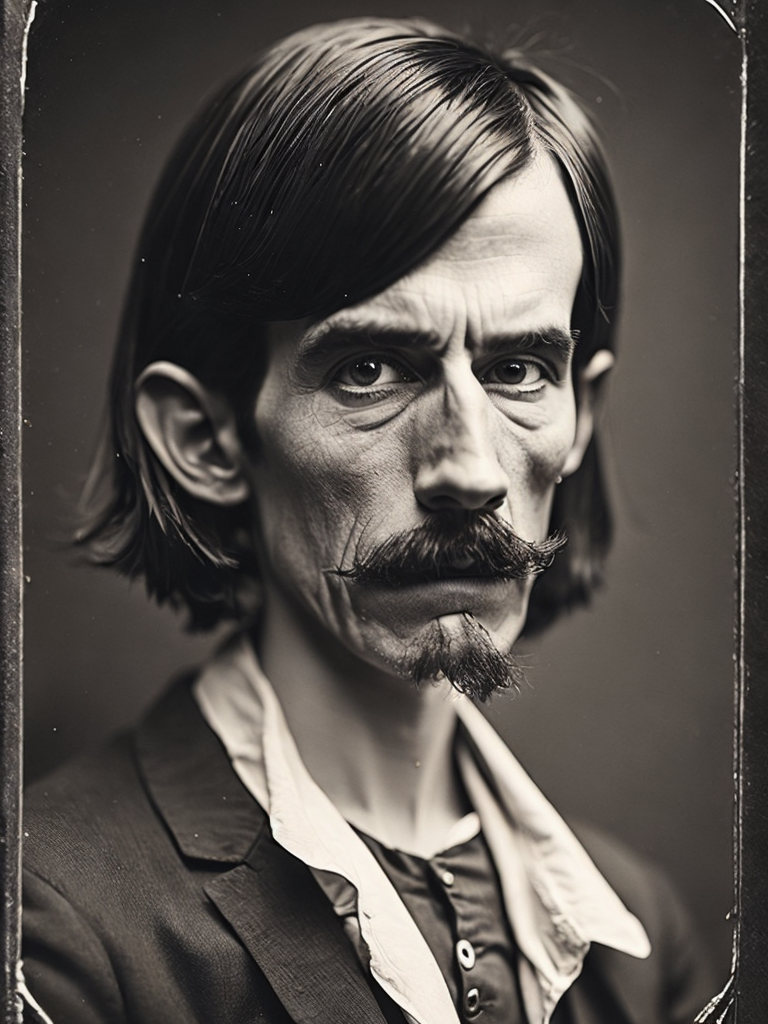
(186, 770)
(268, 897)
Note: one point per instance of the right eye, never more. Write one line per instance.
(371, 371)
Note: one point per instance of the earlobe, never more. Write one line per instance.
(192, 432)
(586, 393)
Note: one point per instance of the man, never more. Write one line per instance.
(353, 411)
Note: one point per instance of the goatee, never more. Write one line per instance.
(468, 658)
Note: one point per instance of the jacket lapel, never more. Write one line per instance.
(291, 930)
(269, 898)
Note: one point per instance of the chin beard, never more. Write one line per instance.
(469, 660)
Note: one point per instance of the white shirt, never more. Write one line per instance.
(556, 900)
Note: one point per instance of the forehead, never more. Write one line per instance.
(513, 266)
(527, 216)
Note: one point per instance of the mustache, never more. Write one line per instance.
(451, 545)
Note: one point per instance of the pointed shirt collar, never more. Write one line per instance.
(556, 900)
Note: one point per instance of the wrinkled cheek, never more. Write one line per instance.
(547, 451)
(295, 513)
(533, 474)
(304, 517)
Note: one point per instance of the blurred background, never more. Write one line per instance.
(627, 722)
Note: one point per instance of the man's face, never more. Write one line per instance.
(447, 394)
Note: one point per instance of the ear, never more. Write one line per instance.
(191, 429)
(586, 396)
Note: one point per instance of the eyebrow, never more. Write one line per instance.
(563, 341)
(334, 338)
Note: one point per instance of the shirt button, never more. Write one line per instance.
(447, 878)
(472, 1002)
(466, 954)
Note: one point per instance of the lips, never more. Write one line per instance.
(460, 566)
(465, 569)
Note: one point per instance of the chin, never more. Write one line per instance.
(475, 657)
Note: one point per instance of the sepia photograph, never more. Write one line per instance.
(379, 467)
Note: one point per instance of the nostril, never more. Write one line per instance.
(445, 497)
(440, 502)
(462, 477)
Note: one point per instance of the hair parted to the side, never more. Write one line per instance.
(340, 159)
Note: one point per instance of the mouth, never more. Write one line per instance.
(465, 569)
(418, 598)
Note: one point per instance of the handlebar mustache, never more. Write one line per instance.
(450, 545)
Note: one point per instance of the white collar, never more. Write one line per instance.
(556, 900)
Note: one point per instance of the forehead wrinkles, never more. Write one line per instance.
(434, 312)
(427, 305)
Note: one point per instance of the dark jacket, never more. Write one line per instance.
(155, 894)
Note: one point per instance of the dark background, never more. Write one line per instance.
(627, 722)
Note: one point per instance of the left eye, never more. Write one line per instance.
(364, 373)
(515, 372)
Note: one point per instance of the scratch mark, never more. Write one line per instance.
(729, 20)
(719, 1005)
(25, 41)
(39, 1016)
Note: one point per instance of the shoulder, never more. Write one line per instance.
(83, 828)
(639, 881)
(643, 886)
(89, 818)
(93, 843)
(677, 977)
(91, 789)
(121, 813)
(117, 923)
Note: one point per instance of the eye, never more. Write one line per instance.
(370, 371)
(515, 372)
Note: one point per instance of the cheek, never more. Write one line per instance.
(294, 485)
(318, 490)
(534, 454)
(538, 438)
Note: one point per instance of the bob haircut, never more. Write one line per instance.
(341, 158)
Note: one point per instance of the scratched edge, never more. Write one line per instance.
(13, 15)
(739, 626)
(752, 654)
(746, 991)
(744, 999)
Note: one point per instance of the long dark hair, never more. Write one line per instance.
(341, 158)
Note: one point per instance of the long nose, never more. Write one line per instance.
(458, 466)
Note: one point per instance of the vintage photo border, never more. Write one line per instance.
(15, 16)
(745, 998)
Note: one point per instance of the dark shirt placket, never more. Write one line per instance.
(455, 899)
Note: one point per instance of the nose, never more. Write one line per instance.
(458, 467)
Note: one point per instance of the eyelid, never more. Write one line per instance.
(550, 369)
(362, 396)
(382, 357)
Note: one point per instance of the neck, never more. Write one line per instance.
(380, 748)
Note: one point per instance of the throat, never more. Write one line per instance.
(381, 748)
(416, 810)
(391, 776)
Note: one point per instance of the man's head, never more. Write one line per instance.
(360, 250)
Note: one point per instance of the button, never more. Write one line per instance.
(447, 878)
(472, 1002)
(466, 953)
